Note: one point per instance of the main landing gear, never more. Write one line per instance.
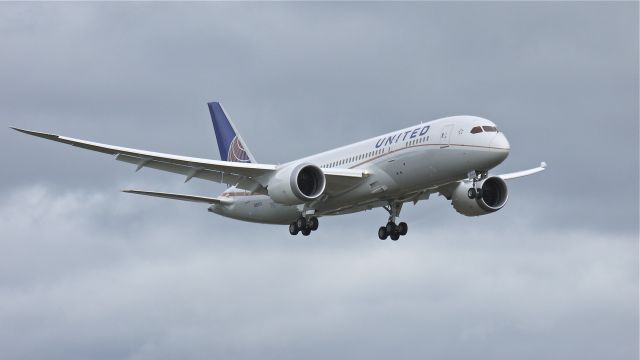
(391, 229)
(303, 225)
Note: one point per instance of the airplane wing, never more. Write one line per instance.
(447, 189)
(513, 175)
(248, 176)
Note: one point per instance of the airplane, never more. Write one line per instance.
(451, 156)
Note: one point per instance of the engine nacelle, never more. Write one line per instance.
(494, 197)
(297, 184)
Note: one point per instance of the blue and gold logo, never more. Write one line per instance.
(236, 152)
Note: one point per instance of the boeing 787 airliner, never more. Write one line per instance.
(451, 156)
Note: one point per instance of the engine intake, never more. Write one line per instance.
(494, 197)
(297, 184)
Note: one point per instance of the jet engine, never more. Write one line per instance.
(493, 197)
(297, 184)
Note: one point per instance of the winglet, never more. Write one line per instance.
(543, 165)
(37, 133)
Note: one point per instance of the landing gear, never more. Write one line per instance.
(474, 192)
(304, 226)
(471, 193)
(391, 229)
(403, 228)
(382, 233)
(301, 223)
(313, 223)
(293, 229)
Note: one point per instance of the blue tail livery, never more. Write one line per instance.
(230, 143)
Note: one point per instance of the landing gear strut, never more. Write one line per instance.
(303, 225)
(475, 192)
(391, 229)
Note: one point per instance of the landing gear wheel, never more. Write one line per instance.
(391, 228)
(403, 228)
(293, 229)
(395, 236)
(306, 232)
(472, 193)
(313, 223)
(301, 223)
(382, 233)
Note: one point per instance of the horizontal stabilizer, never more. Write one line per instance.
(194, 198)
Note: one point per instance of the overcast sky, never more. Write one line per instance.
(87, 272)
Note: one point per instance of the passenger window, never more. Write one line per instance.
(489, 128)
(476, 130)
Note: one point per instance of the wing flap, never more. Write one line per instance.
(188, 171)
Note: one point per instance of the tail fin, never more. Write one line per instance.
(230, 143)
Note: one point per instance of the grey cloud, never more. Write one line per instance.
(182, 290)
(553, 275)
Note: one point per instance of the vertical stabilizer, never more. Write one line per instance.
(230, 143)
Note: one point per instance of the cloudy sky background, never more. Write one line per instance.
(89, 273)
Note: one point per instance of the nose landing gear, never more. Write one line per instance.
(475, 176)
(474, 193)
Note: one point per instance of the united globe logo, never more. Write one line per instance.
(236, 152)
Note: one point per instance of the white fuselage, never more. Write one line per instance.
(403, 165)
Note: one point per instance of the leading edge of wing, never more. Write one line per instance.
(216, 165)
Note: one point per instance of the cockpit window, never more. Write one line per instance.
(476, 130)
(490, 128)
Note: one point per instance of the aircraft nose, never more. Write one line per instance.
(500, 142)
(500, 147)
